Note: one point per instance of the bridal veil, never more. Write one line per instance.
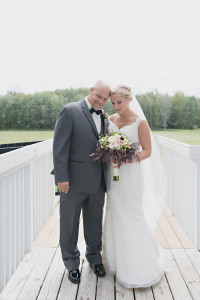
(154, 176)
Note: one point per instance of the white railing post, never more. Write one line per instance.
(198, 207)
(195, 156)
(2, 234)
(52, 187)
(28, 206)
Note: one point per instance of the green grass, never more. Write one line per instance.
(191, 137)
(17, 136)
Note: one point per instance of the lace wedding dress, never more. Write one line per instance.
(130, 250)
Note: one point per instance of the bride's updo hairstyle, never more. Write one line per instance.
(124, 90)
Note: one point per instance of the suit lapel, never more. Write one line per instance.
(89, 117)
(102, 124)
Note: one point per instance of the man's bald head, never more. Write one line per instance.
(101, 84)
(99, 94)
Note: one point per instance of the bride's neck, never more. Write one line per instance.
(126, 114)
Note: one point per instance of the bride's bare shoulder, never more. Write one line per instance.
(135, 116)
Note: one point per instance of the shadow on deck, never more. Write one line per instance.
(41, 274)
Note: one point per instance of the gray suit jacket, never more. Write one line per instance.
(75, 138)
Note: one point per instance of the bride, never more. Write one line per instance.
(134, 202)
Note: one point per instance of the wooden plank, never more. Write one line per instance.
(161, 290)
(186, 243)
(175, 279)
(188, 272)
(105, 288)
(159, 237)
(194, 257)
(35, 280)
(87, 287)
(123, 293)
(143, 294)
(68, 290)
(47, 230)
(53, 240)
(51, 284)
(18, 279)
(169, 233)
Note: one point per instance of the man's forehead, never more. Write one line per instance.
(102, 89)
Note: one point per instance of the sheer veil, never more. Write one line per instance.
(154, 176)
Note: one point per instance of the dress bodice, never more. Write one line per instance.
(131, 131)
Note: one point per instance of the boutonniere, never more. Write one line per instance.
(105, 115)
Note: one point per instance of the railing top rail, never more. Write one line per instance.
(16, 158)
(190, 151)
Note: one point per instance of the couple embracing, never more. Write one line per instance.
(129, 249)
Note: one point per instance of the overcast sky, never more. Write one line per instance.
(147, 44)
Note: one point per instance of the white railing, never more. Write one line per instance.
(27, 195)
(26, 202)
(182, 164)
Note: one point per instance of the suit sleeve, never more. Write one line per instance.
(61, 145)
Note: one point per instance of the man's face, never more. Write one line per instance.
(98, 96)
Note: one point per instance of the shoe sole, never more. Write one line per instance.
(99, 275)
(74, 281)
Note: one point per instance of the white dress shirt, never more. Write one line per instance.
(96, 118)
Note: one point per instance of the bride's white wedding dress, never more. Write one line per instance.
(130, 250)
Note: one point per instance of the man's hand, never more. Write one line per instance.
(63, 186)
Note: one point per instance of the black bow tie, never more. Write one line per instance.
(98, 112)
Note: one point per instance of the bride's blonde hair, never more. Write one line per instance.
(124, 90)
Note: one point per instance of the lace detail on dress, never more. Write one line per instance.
(136, 122)
(131, 131)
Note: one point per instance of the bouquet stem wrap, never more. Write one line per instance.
(115, 172)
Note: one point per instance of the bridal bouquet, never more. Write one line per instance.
(115, 147)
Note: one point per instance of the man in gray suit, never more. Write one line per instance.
(81, 181)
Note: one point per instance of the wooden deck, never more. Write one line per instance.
(41, 274)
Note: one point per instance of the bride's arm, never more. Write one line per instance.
(144, 139)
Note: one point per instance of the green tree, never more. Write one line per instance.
(165, 106)
(198, 117)
(150, 107)
(178, 104)
(40, 110)
(144, 101)
(156, 114)
(191, 113)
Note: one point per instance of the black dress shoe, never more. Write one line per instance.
(99, 270)
(74, 276)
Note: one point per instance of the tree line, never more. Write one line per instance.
(40, 110)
